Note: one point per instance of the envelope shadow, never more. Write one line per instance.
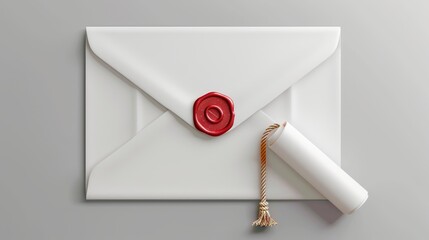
(81, 179)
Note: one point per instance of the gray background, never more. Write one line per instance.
(385, 122)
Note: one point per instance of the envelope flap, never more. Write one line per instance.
(177, 65)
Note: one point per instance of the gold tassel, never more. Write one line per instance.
(264, 217)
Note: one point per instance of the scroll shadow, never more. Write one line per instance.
(325, 210)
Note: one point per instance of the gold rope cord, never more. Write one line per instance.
(264, 218)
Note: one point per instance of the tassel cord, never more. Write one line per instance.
(264, 217)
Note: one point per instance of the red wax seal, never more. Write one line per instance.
(214, 113)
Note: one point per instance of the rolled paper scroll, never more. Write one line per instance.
(318, 169)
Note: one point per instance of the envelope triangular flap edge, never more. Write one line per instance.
(176, 65)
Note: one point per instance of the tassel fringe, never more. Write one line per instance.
(264, 218)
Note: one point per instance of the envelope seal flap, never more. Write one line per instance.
(178, 65)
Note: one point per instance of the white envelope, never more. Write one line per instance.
(142, 82)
